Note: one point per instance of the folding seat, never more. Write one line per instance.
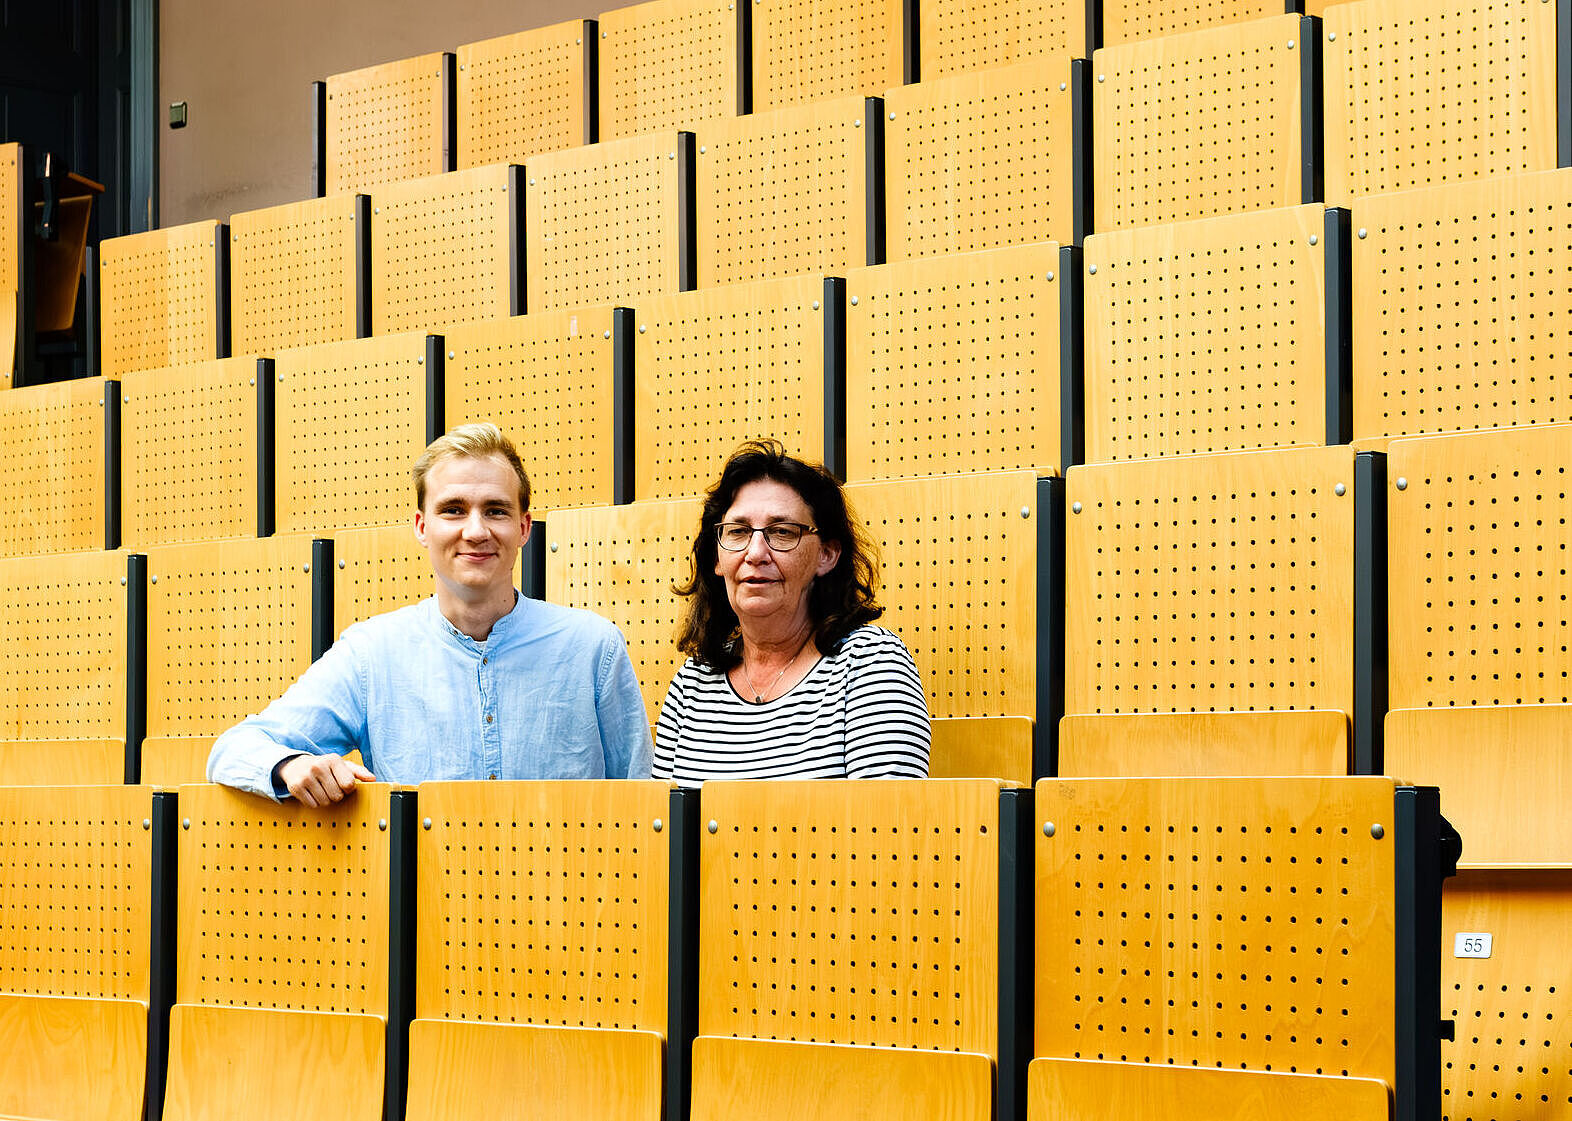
(981, 747)
(195, 462)
(961, 36)
(1129, 21)
(59, 462)
(555, 974)
(610, 223)
(523, 94)
(447, 249)
(987, 159)
(790, 192)
(668, 64)
(812, 50)
(86, 950)
(1420, 92)
(861, 944)
(299, 274)
(294, 955)
(1451, 331)
(1208, 122)
(171, 761)
(387, 122)
(164, 297)
(62, 762)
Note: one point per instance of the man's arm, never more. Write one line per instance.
(294, 747)
(624, 725)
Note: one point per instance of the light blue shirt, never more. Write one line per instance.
(550, 694)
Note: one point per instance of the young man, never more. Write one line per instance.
(476, 682)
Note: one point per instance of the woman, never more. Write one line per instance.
(784, 677)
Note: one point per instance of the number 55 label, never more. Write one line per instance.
(1471, 945)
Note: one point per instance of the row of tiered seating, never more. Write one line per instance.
(874, 942)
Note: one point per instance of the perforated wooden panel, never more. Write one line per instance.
(548, 378)
(1461, 318)
(621, 562)
(52, 468)
(959, 36)
(545, 903)
(1505, 774)
(12, 218)
(283, 906)
(524, 94)
(442, 250)
(718, 366)
(953, 364)
(601, 223)
(375, 570)
(159, 298)
(810, 50)
(1132, 745)
(979, 160)
(76, 880)
(188, 456)
(1211, 583)
(1426, 93)
(292, 275)
(1242, 923)
(62, 762)
(1126, 21)
(851, 911)
(1206, 336)
(384, 123)
(63, 646)
(351, 418)
(1512, 1060)
(1477, 608)
(784, 193)
(667, 64)
(958, 583)
(1083, 1089)
(1192, 125)
(229, 629)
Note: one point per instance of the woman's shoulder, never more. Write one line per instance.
(870, 641)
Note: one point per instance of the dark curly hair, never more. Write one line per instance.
(838, 602)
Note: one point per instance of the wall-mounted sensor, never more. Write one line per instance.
(177, 114)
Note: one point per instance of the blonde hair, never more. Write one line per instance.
(472, 441)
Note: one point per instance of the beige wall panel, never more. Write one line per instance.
(621, 562)
(1203, 743)
(1423, 93)
(52, 459)
(773, 886)
(548, 380)
(668, 64)
(1206, 336)
(282, 906)
(1199, 124)
(783, 193)
(601, 223)
(63, 646)
(62, 762)
(72, 1060)
(959, 584)
(350, 420)
(188, 454)
(959, 36)
(1482, 568)
(1080, 1090)
(982, 747)
(1305, 882)
(1218, 583)
(456, 1067)
(718, 366)
(811, 50)
(1513, 1009)
(1505, 776)
(765, 1079)
(442, 250)
(1128, 21)
(977, 161)
(1450, 329)
(82, 852)
(544, 903)
(229, 629)
(292, 274)
(384, 123)
(953, 364)
(523, 94)
(159, 293)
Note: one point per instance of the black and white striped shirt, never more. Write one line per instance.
(859, 713)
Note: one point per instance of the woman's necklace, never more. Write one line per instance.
(758, 697)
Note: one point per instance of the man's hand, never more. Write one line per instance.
(320, 780)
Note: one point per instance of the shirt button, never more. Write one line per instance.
(485, 661)
(492, 775)
(488, 718)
